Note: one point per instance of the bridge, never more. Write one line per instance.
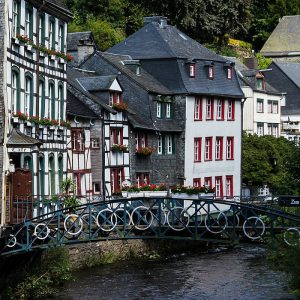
(203, 219)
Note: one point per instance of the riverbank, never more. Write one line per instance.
(39, 274)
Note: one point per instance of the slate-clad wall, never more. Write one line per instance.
(159, 166)
(2, 91)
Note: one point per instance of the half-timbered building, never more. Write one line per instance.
(33, 103)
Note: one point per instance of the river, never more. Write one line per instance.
(238, 274)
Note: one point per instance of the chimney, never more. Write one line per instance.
(162, 21)
(251, 62)
(85, 48)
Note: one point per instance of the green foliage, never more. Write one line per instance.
(44, 278)
(105, 35)
(258, 163)
(287, 259)
(263, 62)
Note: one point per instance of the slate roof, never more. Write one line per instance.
(60, 3)
(156, 41)
(77, 108)
(249, 77)
(291, 70)
(145, 80)
(73, 39)
(97, 83)
(285, 38)
(18, 138)
(73, 76)
(164, 52)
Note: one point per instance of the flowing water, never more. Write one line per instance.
(222, 274)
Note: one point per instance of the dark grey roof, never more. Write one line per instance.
(73, 75)
(238, 63)
(60, 3)
(292, 70)
(73, 39)
(156, 41)
(97, 83)
(139, 122)
(18, 138)
(284, 40)
(144, 79)
(249, 78)
(75, 107)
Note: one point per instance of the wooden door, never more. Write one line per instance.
(21, 195)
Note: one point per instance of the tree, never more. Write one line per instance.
(259, 157)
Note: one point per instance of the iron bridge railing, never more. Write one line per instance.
(153, 218)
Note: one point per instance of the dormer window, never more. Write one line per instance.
(115, 97)
(211, 72)
(192, 70)
(229, 72)
(260, 84)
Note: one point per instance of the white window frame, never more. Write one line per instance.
(260, 105)
(219, 109)
(168, 110)
(229, 148)
(169, 144)
(209, 103)
(27, 21)
(158, 109)
(15, 13)
(197, 108)
(27, 95)
(260, 129)
(160, 145)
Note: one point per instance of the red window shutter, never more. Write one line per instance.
(121, 136)
(212, 108)
(233, 109)
(223, 109)
(221, 148)
(210, 148)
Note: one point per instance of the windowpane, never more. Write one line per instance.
(260, 105)
(168, 110)
(219, 148)
(197, 149)
(208, 148)
(158, 109)
(229, 148)
(198, 108)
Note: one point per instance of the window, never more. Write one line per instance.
(16, 18)
(168, 110)
(142, 178)
(42, 30)
(219, 186)
(28, 103)
(229, 72)
(52, 33)
(51, 169)
(260, 83)
(160, 146)
(260, 129)
(211, 72)
(260, 106)
(198, 108)
(115, 97)
(96, 188)
(197, 182)
(230, 111)
(29, 21)
(117, 177)
(229, 148)
(60, 170)
(272, 107)
(273, 130)
(51, 102)
(158, 109)
(197, 149)
(208, 148)
(219, 148)
(220, 109)
(229, 186)
(61, 38)
(77, 138)
(209, 108)
(42, 176)
(42, 98)
(61, 102)
(170, 144)
(15, 91)
(208, 182)
(60, 135)
(141, 140)
(116, 135)
(192, 70)
(95, 143)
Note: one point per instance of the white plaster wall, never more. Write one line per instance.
(213, 129)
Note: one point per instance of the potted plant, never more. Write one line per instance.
(118, 148)
(121, 106)
(191, 192)
(144, 151)
(146, 190)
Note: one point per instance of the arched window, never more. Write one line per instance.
(42, 98)
(61, 101)
(60, 171)
(15, 90)
(42, 176)
(51, 102)
(28, 104)
(51, 169)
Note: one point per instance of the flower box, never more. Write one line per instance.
(15, 120)
(206, 195)
(155, 194)
(29, 48)
(52, 57)
(62, 61)
(15, 41)
(185, 196)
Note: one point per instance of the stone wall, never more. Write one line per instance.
(96, 253)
